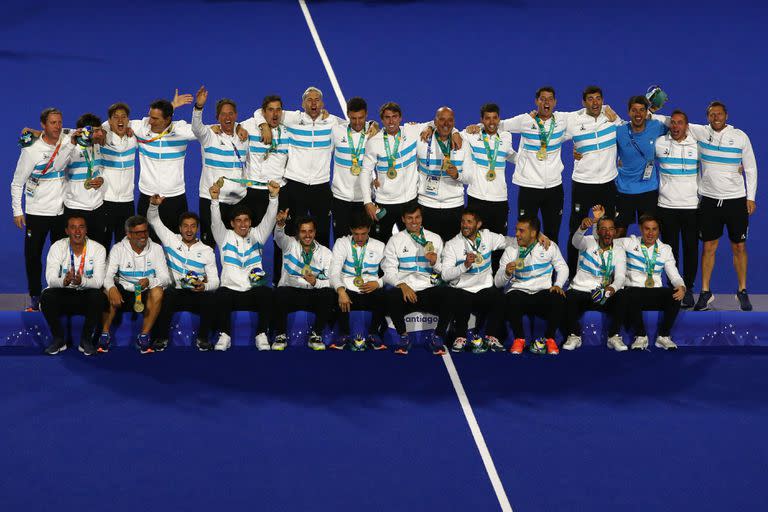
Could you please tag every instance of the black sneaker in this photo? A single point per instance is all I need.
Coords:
(87, 347)
(705, 299)
(159, 345)
(203, 345)
(55, 347)
(687, 302)
(34, 304)
(743, 299)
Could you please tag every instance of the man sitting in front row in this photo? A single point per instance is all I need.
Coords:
(304, 283)
(598, 281)
(355, 277)
(525, 274)
(135, 279)
(74, 271)
(412, 265)
(647, 257)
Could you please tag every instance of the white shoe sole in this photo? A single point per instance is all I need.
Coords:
(221, 348)
(709, 303)
(658, 345)
(62, 349)
(571, 347)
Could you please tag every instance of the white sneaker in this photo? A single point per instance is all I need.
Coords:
(280, 342)
(315, 342)
(640, 343)
(665, 342)
(617, 344)
(223, 343)
(262, 343)
(572, 343)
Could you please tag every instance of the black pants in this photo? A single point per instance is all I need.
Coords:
(583, 197)
(55, 302)
(38, 228)
(319, 301)
(650, 299)
(258, 201)
(548, 201)
(495, 214)
(170, 212)
(545, 304)
(446, 222)
(488, 307)
(678, 223)
(95, 220)
(630, 207)
(438, 300)
(343, 213)
(374, 302)
(206, 235)
(115, 215)
(578, 302)
(177, 299)
(313, 200)
(260, 299)
(382, 230)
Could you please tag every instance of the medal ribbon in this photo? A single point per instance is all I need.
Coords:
(650, 263)
(356, 151)
(306, 257)
(50, 162)
(523, 253)
(391, 155)
(475, 246)
(88, 162)
(82, 260)
(444, 147)
(492, 156)
(156, 137)
(358, 261)
(544, 136)
(245, 182)
(237, 154)
(606, 268)
(275, 141)
(419, 239)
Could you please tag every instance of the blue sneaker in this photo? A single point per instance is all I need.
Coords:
(340, 344)
(144, 344)
(437, 345)
(743, 299)
(404, 345)
(375, 342)
(34, 304)
(104, 343)
(476, 343)
(705, 299)
(358, 343)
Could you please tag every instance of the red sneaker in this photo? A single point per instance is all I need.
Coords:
(552, 347)
(517, 346)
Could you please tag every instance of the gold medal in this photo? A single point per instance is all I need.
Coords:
(478, 258)
(520, 264)
(355, 169)
(138, 306)
(307, 270)
(358, 281)
(446, 162)
(429, 247)
(490, 175)
(391, 172)
(541, 154)
(88, 185)
(649, 282)
(220, 182)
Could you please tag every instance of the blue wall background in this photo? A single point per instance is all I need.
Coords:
(422, 55)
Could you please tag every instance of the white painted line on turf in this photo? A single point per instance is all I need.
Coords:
(474, 427)
(477, 434)
(324, 56)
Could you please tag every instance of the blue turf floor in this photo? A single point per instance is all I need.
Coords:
(326, 431)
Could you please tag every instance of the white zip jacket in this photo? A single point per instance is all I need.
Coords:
(126, 267)
(536, 275)
(162, 160)
(678, 172)
(343, 263)
(310, 146)
(346, 186)
(118, 160)
(59, 261)
(595, 139)
(293, 262)
(259, 169)
(405, 186)
(76, 196)
(405, 261)
(589, 273)
(436, 188)
(241, 255)
(44, 193)
(181, 258)
(476, 164)
(636, 263)
(223, 155)
(480, 275)
(722, 154)
(529, 170)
